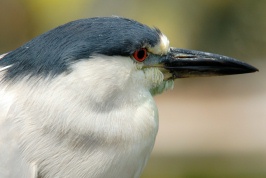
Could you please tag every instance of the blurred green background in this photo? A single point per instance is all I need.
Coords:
(209, 127)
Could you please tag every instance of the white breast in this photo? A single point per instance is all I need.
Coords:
(80, 126)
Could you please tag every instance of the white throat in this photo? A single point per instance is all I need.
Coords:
(114, 123)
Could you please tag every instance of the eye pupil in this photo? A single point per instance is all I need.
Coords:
(140, 55)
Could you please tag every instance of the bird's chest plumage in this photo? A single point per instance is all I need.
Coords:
(80, 126)
(127, 146)
(110, 140)
(124, 141)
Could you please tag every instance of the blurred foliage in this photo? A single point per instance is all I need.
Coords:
(206, 166)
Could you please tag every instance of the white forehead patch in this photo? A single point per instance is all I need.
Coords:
(162, 47)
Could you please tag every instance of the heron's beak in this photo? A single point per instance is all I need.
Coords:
(182, 63)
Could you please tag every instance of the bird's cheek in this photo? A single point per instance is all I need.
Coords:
(164, 86)
(153, 76)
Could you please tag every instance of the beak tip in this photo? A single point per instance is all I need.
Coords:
(255, 69)
(250, 69)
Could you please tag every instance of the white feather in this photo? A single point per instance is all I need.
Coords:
(99, 120)
(2, 55)
(162, 47)
(6, 67)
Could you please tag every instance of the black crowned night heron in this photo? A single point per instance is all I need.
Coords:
(77, 101)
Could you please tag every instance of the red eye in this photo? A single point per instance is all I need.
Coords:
(140, 55)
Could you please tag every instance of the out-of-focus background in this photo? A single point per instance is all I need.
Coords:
(209, 127)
